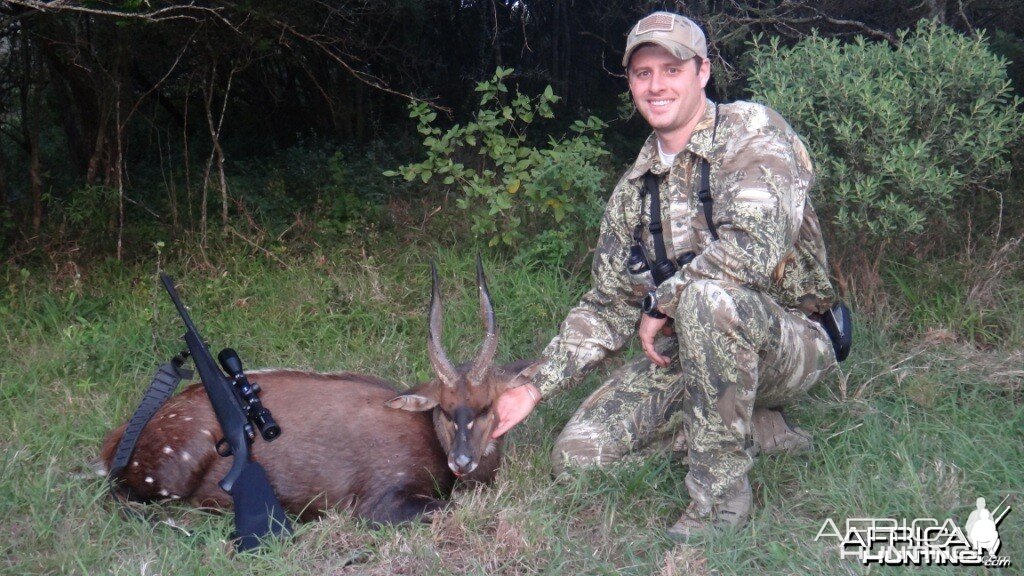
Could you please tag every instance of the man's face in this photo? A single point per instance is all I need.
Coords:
(669, 92)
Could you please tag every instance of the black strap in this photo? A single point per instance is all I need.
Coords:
(704, 192)
(651, 189)
(160, 389)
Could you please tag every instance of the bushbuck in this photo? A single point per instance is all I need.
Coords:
(348, 440)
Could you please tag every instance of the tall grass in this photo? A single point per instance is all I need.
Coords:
(914, 426)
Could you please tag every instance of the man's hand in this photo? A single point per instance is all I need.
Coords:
(513, 406)
(649, 328)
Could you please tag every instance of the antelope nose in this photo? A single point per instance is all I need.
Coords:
(462, 460)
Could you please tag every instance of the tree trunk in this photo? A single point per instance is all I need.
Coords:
(167, 172)
(936, 10)
(119, 175)
(80, 113)
(361, 113)
(30, 132)
(207, 97)
(496, 38)
(187, 157)
(4, 199)
(217, 153)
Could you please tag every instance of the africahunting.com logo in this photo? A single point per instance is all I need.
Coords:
(922, 541)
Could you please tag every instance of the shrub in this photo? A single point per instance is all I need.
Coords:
(509, 187)
(902, 137)
(339, 185)
(84, 213)
(355, 193)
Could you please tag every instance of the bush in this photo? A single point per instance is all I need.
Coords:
(339, 185)
(355, 194)
(509, 187)
(903, 138)
(84, 213)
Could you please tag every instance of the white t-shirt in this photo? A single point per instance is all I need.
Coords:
(666, 159)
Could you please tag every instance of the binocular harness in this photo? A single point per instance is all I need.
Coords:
(837, 321)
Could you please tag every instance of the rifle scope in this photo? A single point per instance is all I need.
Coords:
(254, 409)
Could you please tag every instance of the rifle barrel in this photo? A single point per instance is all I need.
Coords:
(169, 286)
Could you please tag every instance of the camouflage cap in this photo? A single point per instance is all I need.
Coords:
(677, 34)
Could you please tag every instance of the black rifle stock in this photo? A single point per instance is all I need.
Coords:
(257, 510)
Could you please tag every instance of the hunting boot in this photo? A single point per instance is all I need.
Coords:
(732, 511)
(772, 434)
(680, 447)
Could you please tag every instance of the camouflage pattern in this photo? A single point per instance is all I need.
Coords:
(740, 350)
(770, 239)
(740, 307)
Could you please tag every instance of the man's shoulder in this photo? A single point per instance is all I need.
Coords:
(627, 186)
(751, 116)
(756, 133)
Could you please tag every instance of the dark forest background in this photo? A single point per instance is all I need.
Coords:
(127, 123)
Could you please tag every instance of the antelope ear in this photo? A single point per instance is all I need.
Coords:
(412, 402)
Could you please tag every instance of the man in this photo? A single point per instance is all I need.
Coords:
(741, 308)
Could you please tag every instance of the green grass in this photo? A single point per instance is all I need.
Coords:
(915, 426)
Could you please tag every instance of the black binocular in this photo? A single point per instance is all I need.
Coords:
(661, 270)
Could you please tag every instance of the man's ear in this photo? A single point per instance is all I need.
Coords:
(412, 402)
(704, 72)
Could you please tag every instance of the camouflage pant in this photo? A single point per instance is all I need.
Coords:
(736, 348)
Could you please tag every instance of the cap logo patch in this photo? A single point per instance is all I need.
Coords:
(655, 23)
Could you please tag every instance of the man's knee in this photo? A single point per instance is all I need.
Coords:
(583, 445)
(698, 300)
(710, 310)
(713, 303)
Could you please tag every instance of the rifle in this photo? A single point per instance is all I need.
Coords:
(237, 406)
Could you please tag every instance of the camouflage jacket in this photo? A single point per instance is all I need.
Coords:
(769, 237)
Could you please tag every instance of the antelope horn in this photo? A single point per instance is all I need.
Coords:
(485, 358)
(438, 359)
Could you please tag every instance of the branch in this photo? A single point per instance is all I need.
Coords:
(16, 138)
(188, 11)
(787, 15)
(159, 82)
(963, 16)
(304, 66)
(887, 36)
(324, 45)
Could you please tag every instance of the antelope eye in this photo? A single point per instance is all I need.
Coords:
(446, 415)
